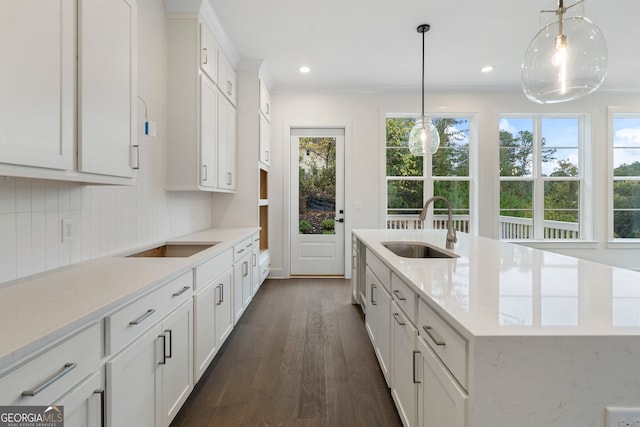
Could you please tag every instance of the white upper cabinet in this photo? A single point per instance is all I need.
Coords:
(37, 83)
(226, 145)
(62, 118)
(227, 79)
(208, 133)
(265, 101)
(265, 141)
(208, 54)
(107, 62)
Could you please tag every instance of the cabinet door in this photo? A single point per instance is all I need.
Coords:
(255, 267)
(107, 64)
(84, 405)
(176, 368)
(404, 383)
(227, 80)
(240, 276)
(226, 145)
(131, 382)
(383, 329)
(442, 402)
(208, 53)
(265, 141)
(371, 313)
(224, 309)
(265, 101)
(208, 133)
(37, 83)
(205, 345)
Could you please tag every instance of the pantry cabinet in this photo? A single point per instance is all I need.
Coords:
(226, 145)
(60, 118)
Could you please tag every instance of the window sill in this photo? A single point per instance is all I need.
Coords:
(624, 244)
(557, 244)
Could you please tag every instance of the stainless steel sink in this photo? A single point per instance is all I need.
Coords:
(171, 250)
(417, 250)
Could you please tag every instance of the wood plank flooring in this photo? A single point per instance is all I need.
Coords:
(300, 356)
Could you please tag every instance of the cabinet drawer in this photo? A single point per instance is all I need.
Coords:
(212, 268)
(405, 297)
(265, 266)
(54, 372)
(128, 323)
(449, 345)
(242, 248)
(379, 268)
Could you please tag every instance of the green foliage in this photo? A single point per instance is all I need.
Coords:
(328, 226)
(626, 203)
(304, 227)
(317, 170)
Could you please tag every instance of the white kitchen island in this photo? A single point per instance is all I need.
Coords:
(510, 335)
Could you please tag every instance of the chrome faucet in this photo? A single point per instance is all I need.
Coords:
(451, 232)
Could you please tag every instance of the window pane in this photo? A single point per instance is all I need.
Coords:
(516, 146)
(626, 205)
(317, 189)
(452, 158)
(400, 162)
(404, 197)
(626, 195)
(560, 133)
(457, 192)
(516, 195)
(516, 210)
(560, 162)
(626, 161)
(626, 224)
(626, 132)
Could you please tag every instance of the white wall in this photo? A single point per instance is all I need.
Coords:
(364, 113)
(108, 218)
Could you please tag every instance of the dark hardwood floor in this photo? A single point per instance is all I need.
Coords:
(300, 356)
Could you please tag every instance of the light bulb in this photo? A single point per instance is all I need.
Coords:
(559, 60)
(423, 138)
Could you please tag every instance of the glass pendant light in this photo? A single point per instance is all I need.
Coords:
(423, 137)
(566, 60)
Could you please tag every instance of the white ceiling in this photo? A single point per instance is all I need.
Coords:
(373, 44)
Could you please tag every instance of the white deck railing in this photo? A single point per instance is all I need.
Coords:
(511, 228)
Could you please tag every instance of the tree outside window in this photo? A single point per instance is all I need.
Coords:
(626, 176)
(412, 179)
(540, 177)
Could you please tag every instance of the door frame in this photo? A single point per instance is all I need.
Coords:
(348, 207)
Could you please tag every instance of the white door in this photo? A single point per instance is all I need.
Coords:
(317, 202)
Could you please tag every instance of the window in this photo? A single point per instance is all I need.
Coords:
(541, 177)
(411, 180)
(626, 176)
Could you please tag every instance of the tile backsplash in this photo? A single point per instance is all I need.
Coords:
(107, 219)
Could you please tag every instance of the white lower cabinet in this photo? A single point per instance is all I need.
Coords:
(378, 322)
(255, 265)
(404, 386)
(213, 320)
(148, 381)
(241, 278)
(441, 401)
(84, 404)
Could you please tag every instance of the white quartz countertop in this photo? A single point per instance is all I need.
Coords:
(41, 309)
(496, 288)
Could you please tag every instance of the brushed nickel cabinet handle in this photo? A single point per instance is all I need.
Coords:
(435, 337)
(415, 381)
(399, 295)
(168, 331)
(143, 317)
(181, 291)
(68, 367)
(102, 406)
(205, 57)
(164, 353)
(373, 302)
(397, 317)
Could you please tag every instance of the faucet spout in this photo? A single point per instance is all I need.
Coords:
(452, 238)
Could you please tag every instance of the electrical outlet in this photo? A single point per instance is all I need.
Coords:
(68, 230)
(622, 417)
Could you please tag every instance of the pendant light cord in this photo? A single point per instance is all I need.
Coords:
(423, 124)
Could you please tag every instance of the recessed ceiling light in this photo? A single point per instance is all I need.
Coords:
(487, 68)
(304, 69)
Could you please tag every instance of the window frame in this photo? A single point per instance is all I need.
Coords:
(612, 114)
(427, 178)
(584, 178)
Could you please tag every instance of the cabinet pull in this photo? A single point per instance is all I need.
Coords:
(255, 260)
(136, 157)
(415, 370)
(435, 337)
(181, 291)
(267, 155)
(245, 269)
(164, 346)
(143, 317)
(205, 175)
(205, 57)
(229, 178)
(102, 406)
(373, 302)
(220, 294)
(68, 367)
(399, 295)
(229, 88)
(268, 108)
(397, 317)
(168, 331)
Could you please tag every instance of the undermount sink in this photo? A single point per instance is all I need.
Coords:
(173, 250)
(417, 250)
